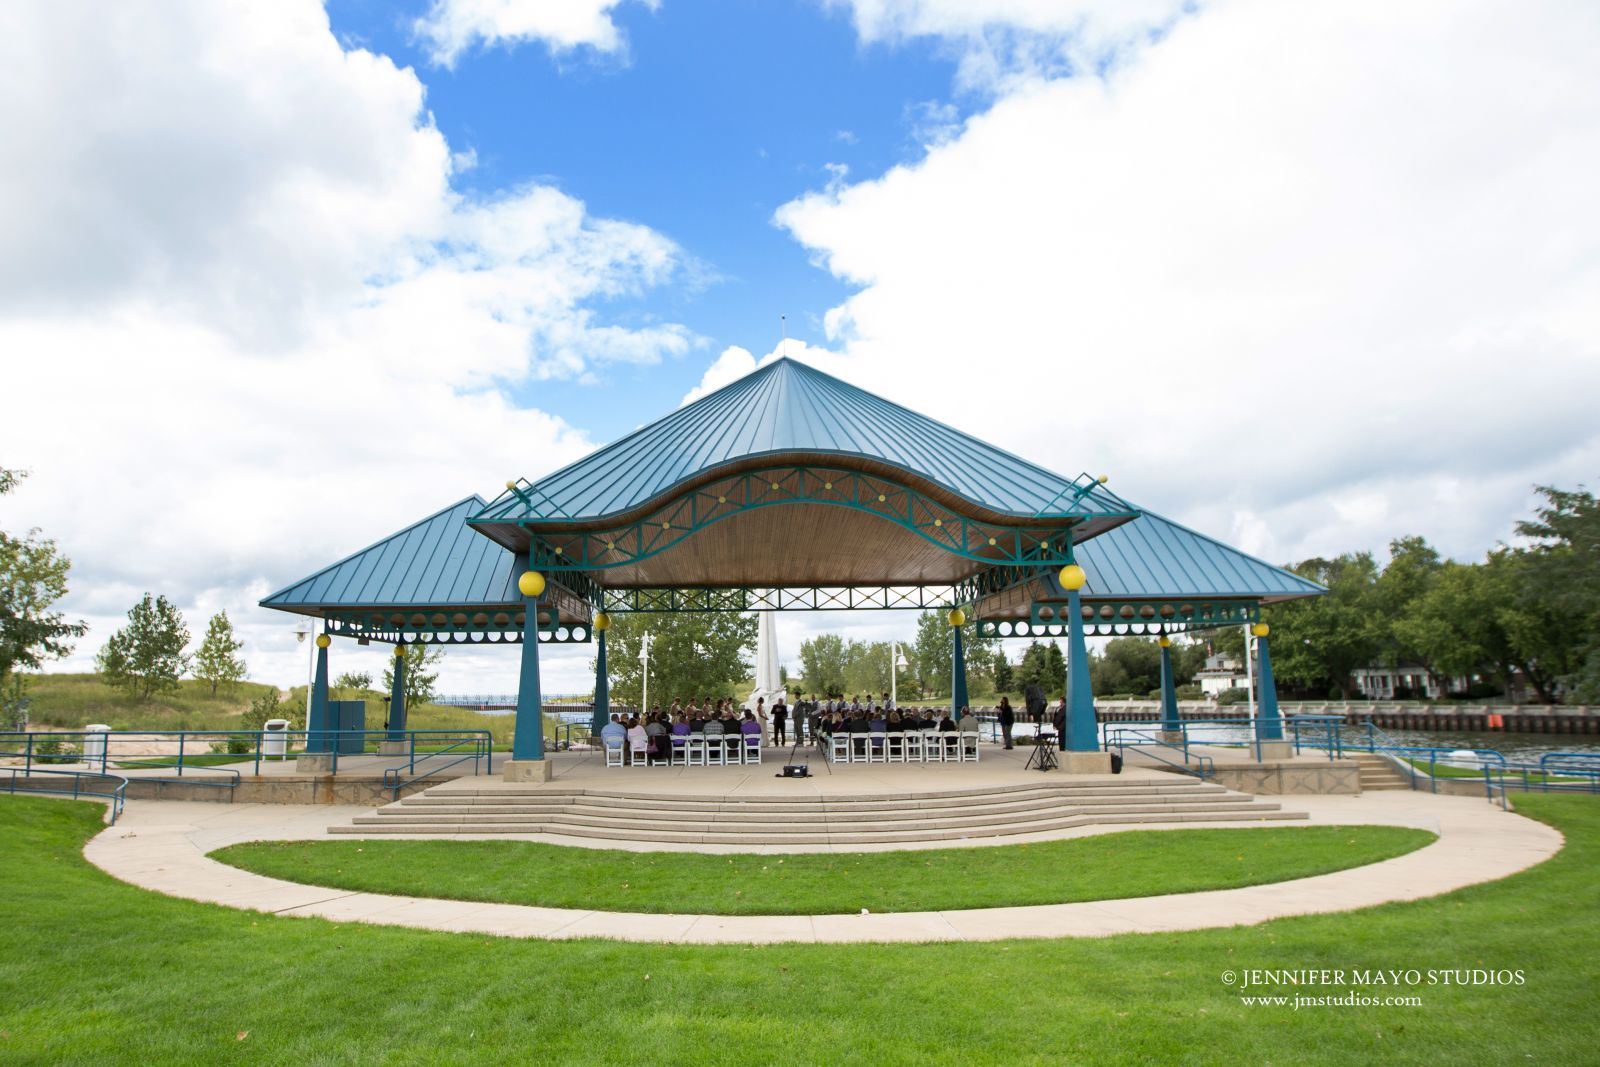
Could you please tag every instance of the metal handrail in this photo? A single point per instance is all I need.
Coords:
(1204, 767)
(117, 796)
(394, 778)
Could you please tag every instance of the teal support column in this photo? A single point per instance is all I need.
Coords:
(1269, 720)
(527, 740)
(397, 696)
(317, 737)
(1082, 733)
(1169, 690)
(602, 680)
(958, 666)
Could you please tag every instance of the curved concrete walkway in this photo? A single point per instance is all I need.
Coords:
(163, 846)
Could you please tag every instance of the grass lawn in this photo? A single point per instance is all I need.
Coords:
(73, 701)
(96, 971)
(1131, 864)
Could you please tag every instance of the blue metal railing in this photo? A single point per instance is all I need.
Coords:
(1149, 743)
(474, 745)
(202, 756)
(115, 795)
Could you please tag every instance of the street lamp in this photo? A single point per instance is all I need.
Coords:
(897, 660)
(644, 660)
(302, 633)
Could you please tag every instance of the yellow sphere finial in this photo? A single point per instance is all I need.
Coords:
(511, 484)
(1072, 577)
(602, 622)
(1164, 641)
(399, 651)
(957, 617)
(1261, 629)
(323, 640)
(1103, 479)
(531, 583)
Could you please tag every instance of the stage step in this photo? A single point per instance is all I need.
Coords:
(816, 819)
(1377, 772)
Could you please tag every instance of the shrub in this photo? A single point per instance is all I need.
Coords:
(55, 750)
(1232, 696)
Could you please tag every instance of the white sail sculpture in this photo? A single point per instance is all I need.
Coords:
(768, 686)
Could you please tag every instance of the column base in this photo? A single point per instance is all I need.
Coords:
(1276, 750)
(1085, 762)
(528, 770)
(394, 748)
(1171, 737)
(314, 763)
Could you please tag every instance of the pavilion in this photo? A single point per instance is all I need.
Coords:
(789, 490)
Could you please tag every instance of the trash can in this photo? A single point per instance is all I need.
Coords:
(275, 740)
(94, 742)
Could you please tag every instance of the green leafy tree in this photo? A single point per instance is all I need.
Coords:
(1127, 665)
(355, 681)
(692, 654)
(822, 658)
(1002, 673)
(33, 576)
(930, 653)
(1317, 642)
(422, 675)
(1043, 665)
(1561, 589)
(147, 656)
(218, 662)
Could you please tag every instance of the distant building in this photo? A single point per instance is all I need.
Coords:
(1219, 675)
(1408, 681)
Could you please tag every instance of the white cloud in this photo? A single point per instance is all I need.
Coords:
(1310, 276)
(248, 327)
(1001, 41)
(451, 27)
(735, 362)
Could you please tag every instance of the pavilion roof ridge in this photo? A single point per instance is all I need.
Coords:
(786, 406)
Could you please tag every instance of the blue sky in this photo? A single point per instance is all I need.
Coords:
(713, 117)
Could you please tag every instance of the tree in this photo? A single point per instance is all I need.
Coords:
(422, 675)
(692, 655)
(822, 659)
(356, 680)
(33, 576)
(1043, 665)
(1002, 673)
(1128, 665)
(146, 656)
(1561, 575)
(1317, 642)
(218, 660)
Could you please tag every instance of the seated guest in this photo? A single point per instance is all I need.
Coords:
(896, 724)
(751, 727)
(947, 731)
(969, 721)
(713, 727)
(697, 722)
(638, 741)
(656, 731)
(613, 733)
(857, 727)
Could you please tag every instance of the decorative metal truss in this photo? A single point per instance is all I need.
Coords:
(795, 598)
(562, 551)
(501, 626)
(1114, 617)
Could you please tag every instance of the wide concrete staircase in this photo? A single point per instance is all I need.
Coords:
(808, 819)
(1377, 772)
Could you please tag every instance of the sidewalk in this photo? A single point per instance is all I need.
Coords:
(162, 846)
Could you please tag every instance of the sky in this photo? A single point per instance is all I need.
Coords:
(283, 277)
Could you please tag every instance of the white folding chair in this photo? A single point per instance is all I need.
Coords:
(877, 747)
(894, 746)
(911, 742)
(932, 747)
(969, 746)
(716, 750)
(641, 754)
(839, 748)
(694, 751)
(679, 752)
(752, 748)
(613, 746)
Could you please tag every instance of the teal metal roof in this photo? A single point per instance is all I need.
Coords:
(787, 407)
(438, 561)
(1154, 557)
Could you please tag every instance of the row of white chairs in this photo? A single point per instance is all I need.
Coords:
(694, 750)
(907, 746)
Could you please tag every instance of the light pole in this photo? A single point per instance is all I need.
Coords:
(644, 659)
(896, 661)
(302, 636)
(1250, 675)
